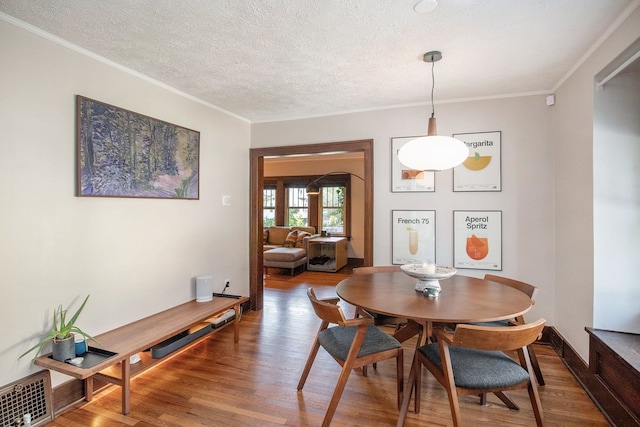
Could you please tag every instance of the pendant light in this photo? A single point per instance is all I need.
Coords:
(433, 152)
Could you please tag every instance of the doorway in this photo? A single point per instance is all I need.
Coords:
(257, 155)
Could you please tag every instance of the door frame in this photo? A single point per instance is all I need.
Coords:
(257, 155)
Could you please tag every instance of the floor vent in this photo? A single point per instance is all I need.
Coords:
(30, 395)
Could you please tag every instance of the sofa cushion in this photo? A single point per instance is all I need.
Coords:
(284, 254)
(278, 234)
(300, 239)
(310, 230)
(290, 240)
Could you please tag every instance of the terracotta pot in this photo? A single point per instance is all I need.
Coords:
(63, 350)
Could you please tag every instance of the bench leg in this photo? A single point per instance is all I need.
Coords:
(126, 386)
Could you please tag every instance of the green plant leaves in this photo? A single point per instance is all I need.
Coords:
(61, 328)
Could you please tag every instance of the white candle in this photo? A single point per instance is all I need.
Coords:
(428, 268)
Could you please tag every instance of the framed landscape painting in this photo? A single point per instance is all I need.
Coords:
(125, 154)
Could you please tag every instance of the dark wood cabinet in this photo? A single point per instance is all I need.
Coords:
(614, 363)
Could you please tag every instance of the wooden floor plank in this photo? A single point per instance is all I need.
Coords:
(253, 382)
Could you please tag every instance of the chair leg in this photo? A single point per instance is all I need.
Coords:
(525, 361)
(483, 399)
(400, 376)
(418, 385)
(535, 365)
(535, 403)
(407, 395)
(454, 405)
(337, 393)
(507, 400)
(307, 366)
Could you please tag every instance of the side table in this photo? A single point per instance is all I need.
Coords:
(327, 254)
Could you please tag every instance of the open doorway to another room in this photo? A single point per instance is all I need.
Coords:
(351, 157)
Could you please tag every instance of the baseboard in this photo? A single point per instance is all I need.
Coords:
(355, 262)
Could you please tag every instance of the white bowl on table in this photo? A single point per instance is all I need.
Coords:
(428, 276)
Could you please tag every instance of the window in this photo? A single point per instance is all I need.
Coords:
(285, 202)
(297, 207)
(333, 212)
(268, 207)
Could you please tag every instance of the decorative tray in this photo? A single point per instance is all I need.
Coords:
(93, 356)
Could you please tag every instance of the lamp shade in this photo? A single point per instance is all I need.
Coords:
(433, 153)
(313, 189)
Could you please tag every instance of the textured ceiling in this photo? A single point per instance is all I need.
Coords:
(267, 60)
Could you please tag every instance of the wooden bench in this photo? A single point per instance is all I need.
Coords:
(614, 363)
(138, 336)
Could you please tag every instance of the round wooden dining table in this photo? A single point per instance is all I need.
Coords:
(462, 300)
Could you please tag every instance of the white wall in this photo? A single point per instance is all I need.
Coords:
(526, 200)
(134, 256)
(574, 190)
(574, 215)
(616, 204)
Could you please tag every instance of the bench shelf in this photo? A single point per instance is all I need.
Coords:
(140, 335)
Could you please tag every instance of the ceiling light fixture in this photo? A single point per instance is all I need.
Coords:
(425, 6)
(433, 152)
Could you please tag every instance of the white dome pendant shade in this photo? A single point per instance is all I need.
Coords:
(433, 152)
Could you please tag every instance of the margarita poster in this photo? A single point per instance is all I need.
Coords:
(481, 170)
(414, 237)
(477, 240)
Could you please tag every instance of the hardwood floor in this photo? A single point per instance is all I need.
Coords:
(253, 382)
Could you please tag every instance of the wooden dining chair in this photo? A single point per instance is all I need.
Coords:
(531, 291)
(471, 360)
(352, 343)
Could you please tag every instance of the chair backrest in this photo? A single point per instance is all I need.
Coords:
(376, 269)
(526, 288)
(502, 338)
(327, 311)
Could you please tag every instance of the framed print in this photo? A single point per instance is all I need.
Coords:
(482, 169)
(404, 179)
(477, 239)
(413, 236)
(125, 154)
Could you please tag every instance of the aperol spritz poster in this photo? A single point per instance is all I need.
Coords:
(481, 171)
(414, 237)
(477, 240)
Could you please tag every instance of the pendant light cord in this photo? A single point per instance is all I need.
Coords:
(433, 84)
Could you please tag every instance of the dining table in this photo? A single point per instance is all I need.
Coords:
(462, 299)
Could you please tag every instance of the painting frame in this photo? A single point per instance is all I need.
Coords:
(121, 153)
(477, 239)
(407, 180)
(482, 170)
(413, 236)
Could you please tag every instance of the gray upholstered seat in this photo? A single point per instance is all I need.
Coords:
(477, 368)
(337, 341)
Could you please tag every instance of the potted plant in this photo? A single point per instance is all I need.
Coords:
(61, 335)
